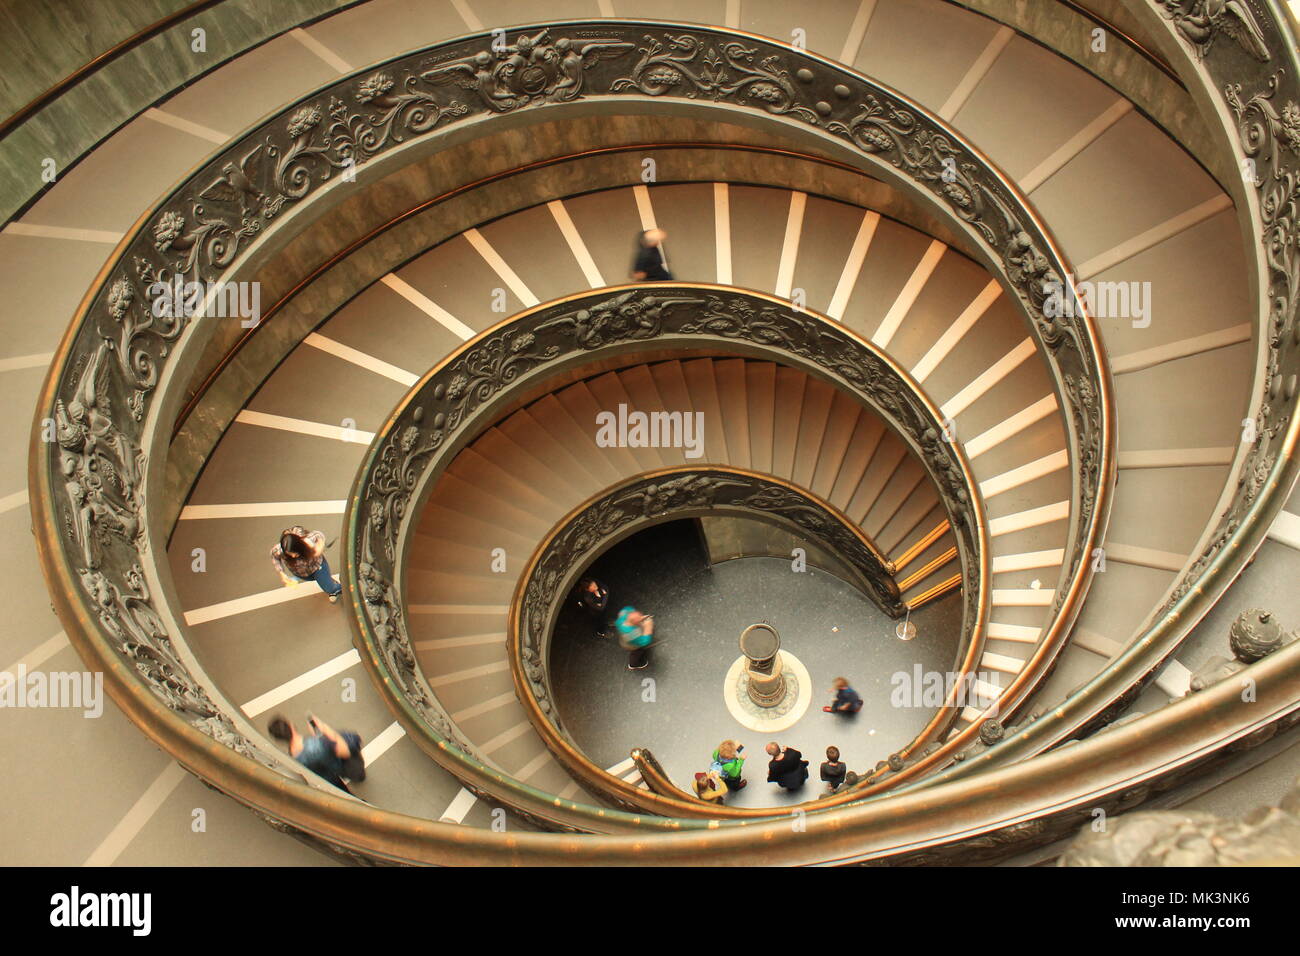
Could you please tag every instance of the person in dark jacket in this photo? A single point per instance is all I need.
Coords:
(650, 265)
(593, 597)
(787, 768)
(833, 770)
(846, 700)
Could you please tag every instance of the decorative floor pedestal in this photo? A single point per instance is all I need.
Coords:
(787, 713)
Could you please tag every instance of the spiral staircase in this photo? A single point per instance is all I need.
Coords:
(1099, 511)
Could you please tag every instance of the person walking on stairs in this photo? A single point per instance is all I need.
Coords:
(300, 556)
(326, 752)
(651, 265)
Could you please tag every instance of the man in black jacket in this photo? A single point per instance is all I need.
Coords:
(650, 265)
(787, 768)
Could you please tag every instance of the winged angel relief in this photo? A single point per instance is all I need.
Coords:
(1201, 22)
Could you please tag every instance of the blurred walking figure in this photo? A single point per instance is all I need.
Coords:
(636, 632)
(300, 556)
(729, 764)
(651, 265)
(709, 787)
(833, 770)
(593, 597)
(329, 754)
(846, 700)
(787, 768)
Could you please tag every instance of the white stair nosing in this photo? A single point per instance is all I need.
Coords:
(1019, 633)
(1002, 663)
(303, 682)
(1010, 427)
(1030, 518)
(1183, 348)
(1154, 236)
(1039, 468)
(426, 305)
(988, 378)
(353, 436)
(1028, 560)
(361, 359)
(1144, 557)
(1075, 145)
(382, 743)
(459, 807)
(978, 70)
(955, 332)
(722, 231)
(1176, 457)
(455, 677)
(857, 32)
(908, 295)
(853, 265)
(1174, 679)
(576, 244)
(790, 244)
(500, 267)
(1286, 529)
(644, 207)
(1021, 597)
(1098, 644)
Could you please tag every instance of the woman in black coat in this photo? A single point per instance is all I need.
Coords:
(787, 768)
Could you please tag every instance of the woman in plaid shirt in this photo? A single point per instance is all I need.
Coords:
(300, 556)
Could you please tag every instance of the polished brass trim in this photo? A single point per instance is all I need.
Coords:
(926, 569)
(934, 593)
(916, 550)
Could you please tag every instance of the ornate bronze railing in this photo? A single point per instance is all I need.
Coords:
(113, 386)
(463, 395)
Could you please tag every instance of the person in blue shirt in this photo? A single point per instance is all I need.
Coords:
(326, 752)
(846, 700)
(636, 632)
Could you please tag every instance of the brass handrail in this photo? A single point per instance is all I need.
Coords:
(93, 66)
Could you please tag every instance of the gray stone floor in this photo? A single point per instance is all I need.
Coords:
(699, 613)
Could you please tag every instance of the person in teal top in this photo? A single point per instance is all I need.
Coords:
(636, 629)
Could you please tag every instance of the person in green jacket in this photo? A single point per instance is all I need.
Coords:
(728, 762)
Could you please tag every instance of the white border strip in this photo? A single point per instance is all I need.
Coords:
(426, 305)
